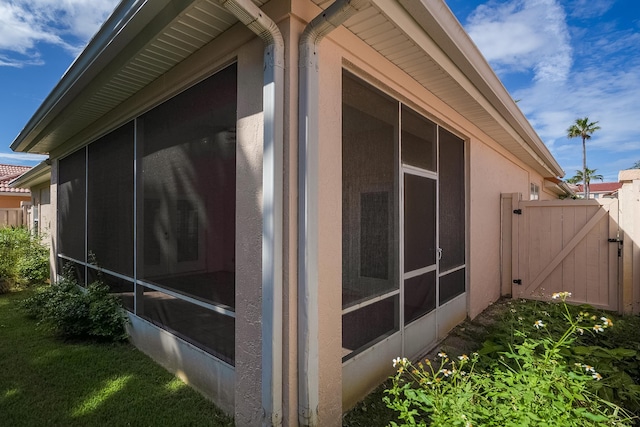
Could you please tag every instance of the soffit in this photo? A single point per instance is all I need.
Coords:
(416, 42)
(119, 62)
(143, 40)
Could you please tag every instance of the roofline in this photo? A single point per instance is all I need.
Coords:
(447, 31)
(12, 194)
(36, 175)
(129, 16)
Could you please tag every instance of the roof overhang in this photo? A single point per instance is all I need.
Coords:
(142, 40)
(39, 174)
(558, 187)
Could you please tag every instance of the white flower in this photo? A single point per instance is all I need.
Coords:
(446, 372)
(598, 328)
(589, 368)
(398, 361)
(580, 331)
(596, 376)
(538, 324)
(442, 355)
(561, 295)
(463, 358)
(607, 322)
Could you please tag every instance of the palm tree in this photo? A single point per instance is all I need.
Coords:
(579, 177)
(636, 165)
(583, 128)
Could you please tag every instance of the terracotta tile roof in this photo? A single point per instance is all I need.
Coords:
(7, 174)
(602, 187)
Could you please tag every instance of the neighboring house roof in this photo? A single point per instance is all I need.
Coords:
(7, 174)
(143, 40)
(601, 187)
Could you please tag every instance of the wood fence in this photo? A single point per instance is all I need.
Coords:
(590, 248)
(15, 217)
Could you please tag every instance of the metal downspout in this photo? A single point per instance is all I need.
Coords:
(272, 183)
(308, 367)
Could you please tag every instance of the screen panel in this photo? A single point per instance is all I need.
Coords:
(418, 140)
(71, 205)
(110, 201)
(187, 188)
(419, 222)
(452, 200)
(419, 296)
(452, 285)
(369, 218)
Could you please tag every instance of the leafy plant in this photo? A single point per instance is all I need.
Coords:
(24, 260)
(77, 313)
(526, 380)
(615, 355)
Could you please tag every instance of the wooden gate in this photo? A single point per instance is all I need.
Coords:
(566, 245)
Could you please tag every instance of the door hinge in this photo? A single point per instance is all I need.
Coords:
(517, 281)
(517, 211)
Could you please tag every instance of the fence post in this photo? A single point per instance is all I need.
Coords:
(629, 198)
(507, 203)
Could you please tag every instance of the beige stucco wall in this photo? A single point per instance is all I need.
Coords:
(53, 222)
(248, 346)
(291, 29)
(330, 236)
(491, 173)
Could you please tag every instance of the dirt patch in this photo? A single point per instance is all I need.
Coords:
(468, 336)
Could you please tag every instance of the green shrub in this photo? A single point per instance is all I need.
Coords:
(615, 355)
(77, 313)
(24, 260)
(528, 382)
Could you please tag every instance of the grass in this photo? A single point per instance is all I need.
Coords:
(44, 381)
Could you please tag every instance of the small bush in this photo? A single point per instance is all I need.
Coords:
(529, 381)
(24, 260)
(77, 313)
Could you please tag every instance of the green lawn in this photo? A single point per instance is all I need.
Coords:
(44, 381)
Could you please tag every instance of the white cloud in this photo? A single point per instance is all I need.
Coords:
(13, 158)
(593, 73)
(585, 9)
(68, 24)
(520, 35)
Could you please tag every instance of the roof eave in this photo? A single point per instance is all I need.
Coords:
(438, 21)
(38, 174)
(129, 17)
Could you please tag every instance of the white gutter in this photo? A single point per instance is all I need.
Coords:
(273, 109)
(308, 369)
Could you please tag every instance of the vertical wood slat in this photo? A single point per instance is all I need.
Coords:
(11, 217)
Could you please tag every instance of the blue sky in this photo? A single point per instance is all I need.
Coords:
(562, 59)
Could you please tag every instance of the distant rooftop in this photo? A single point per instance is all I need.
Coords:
(601, 187)
(7, 174)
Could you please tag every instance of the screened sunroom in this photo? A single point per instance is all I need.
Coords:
(285, 195)
(149, 208)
